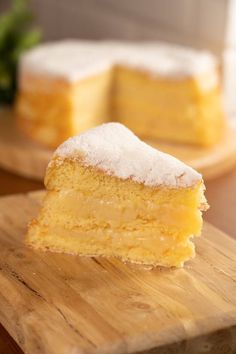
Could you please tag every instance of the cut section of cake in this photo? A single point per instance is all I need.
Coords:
(158, 90)
(110, 194)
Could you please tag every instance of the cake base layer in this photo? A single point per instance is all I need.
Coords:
(147, 247)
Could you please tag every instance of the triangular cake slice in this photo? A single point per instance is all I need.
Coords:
(110, 194)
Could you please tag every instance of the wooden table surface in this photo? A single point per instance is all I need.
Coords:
(221, 195)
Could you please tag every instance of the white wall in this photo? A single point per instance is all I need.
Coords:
(199, 23)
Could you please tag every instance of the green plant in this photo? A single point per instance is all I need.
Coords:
(15, 38)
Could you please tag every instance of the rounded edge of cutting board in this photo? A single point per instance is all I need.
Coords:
(22, 156)
(18, 154)
(211, 162)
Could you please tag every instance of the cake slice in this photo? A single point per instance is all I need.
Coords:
(110, 194)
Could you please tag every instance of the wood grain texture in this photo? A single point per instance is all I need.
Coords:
(60, 304)
(26, 158)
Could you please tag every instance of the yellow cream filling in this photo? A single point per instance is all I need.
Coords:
(88, 212)
(73, 208)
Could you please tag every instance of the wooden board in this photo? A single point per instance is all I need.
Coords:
(61, 304)
(24, 157)
(210, 162)
(18, 154)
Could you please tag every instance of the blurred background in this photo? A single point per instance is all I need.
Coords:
(203, 24)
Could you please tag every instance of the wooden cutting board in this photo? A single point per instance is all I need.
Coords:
(24, 157)
(61, 304)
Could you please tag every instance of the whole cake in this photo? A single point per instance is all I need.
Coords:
(110, 194)
(157, 90)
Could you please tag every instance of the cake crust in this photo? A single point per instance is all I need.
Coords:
(114, 149)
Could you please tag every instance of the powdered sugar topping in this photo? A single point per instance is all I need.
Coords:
(74, 59)
(113, 148)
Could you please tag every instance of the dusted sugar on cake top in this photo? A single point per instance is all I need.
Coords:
(115, 150)
(74, 60)
(111, 195)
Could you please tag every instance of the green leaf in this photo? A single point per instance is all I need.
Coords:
(28, 40)
(15, 38)
(5, 80)
(6, 23)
